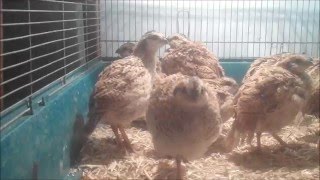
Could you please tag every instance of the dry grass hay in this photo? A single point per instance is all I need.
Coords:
(102, 160)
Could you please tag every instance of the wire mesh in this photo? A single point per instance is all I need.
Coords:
(232, 29)
(42, 43)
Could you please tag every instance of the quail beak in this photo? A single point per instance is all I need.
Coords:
(165, 41)
(308, 64)
(194, 94)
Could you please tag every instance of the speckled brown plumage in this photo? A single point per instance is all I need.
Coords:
(183, 117)
(224, 88)
(123, 88)
(270, 99)
(265, 61)
(125, 49)
(193, 59)
(313, 104)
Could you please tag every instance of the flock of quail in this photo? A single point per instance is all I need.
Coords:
(185, 98)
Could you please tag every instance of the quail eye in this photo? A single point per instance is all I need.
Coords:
(203, 91)
(179, 89)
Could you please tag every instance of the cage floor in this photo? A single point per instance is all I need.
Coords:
(100, 158)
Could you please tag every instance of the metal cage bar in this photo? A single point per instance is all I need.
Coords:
(57, 47)
(257, 28)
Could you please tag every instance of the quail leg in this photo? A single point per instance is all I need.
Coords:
(258, 141)
(126, 140)
(250, 138)
(118, 138)
(243, 138)
(179, 168)
(274, 135)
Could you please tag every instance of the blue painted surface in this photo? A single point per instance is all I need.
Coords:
(235, 70)
(44, 137)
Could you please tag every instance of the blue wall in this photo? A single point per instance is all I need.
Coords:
(45, 137)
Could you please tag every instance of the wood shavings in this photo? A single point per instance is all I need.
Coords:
(102, 160)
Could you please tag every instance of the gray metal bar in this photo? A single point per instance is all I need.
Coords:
(135, 19)
(43, 11)
(124, 32)
(111, 5)
(278, 28)
(41, 67)
(64, 46)
(213, 24)
(153, 14)
(105, 26)
(43, 33)
(265, 45)
(13, 120)
(189, 22)
(44, 55)
(225, 28)
(30, 50)
(44, 22)
(260, 36)
(254, 25)
(66, 2)
(141, 19)
(159, 16)
(284, 26)
(295, 29)
(99, 30)
(313, 25)
(272, 26)
(248, 29)
(218, 53)
(129, 18)
(26, 85)
(195, 20)
(118, 29)
(237, 27)
(178, 13)
(290, 24)
(302, 21)
(147, 15)
(230, 30)
(183, 16)
(242, 29)
(36, 92)
(42, 44)
(216, 42)
(201, 23)
(307, 30)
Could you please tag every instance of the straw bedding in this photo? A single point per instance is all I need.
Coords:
(100, 158)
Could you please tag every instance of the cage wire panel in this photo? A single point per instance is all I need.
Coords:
(232, 29)
(44, 42)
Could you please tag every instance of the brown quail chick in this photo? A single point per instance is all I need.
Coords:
(226, 84)
(265, 62)
(183, 118)
(313, 104)
(190, 58)
(125, 49)
(270, 99)
(177, 40)
(225, 88)
(123, 88)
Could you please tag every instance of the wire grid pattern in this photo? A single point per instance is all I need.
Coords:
(42, 43)
(232, 29)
